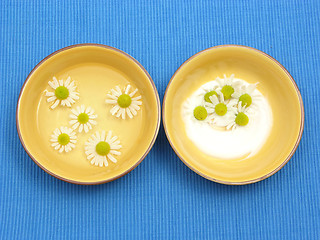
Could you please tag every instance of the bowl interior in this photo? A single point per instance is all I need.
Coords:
(274, 83)
(96, 70)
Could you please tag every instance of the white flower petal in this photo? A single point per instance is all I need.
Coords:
(112, 97)
(103, 136)
(85, 127)
(61, 149)
(111, 101)
(105, 162)
(137, 102)
(50, 94)
(119, 112)
(136, 98)
(129, 113)
(115, 93)
(55, 104)
(114, 152)
(112, 158)
(251, 88)
(133, 111)
(76, 125)
(123, 114)
(50, 99)
(92, 122)
(67, 82)
(80, 128)
(109, 135)
(127, 89)
(136, 107)
(74, 121)
(114, 110)
(73, 116)
(93, 116)
(87, 111)
(133, 93)
(118, 90)
(71, 85)
(214, 99)
(68, 103)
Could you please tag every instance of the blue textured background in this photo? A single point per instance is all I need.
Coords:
(161, 198)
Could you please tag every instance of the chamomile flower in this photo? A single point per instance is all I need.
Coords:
(240, 118)
(101, 147)
(197, 112)
(124, 102)
(246, 95)
(83, 118)
(64, 93)
(219, 109)
(63, 139)
(228, 86)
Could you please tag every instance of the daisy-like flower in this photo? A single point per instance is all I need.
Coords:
(64, 93)
(63, 139)
(101, 147)
(240, 118)
(246, 95)
(219, 109)
(196, 111)
(228, 86)
(124, 102)
(83, 118)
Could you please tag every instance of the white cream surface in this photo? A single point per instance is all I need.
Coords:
(218, 142)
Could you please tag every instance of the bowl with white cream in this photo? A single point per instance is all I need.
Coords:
(233, 114)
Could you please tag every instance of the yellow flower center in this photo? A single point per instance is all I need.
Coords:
(221, 109)
(83, 118)
(63, 139)
(209, 94)
(124, 100)
(103, 148)
(200, 113)
(227, 91)
(61, 92)
(245, 99)
(242, 119)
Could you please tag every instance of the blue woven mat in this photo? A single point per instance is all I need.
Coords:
(161, 198)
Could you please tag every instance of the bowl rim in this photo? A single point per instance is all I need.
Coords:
(126, 55)
(301, 120)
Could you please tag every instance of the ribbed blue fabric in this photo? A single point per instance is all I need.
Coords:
(161, 198)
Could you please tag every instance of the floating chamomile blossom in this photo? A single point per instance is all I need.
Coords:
(240, 118)
(246, 95)
(63, 139)
(83, 118)
(101, 147)
(64, 93)
(219, 109)
(124, 102)
(228, 86)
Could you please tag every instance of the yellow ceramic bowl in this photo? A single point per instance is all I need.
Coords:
(275, 83)
(96, 69)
